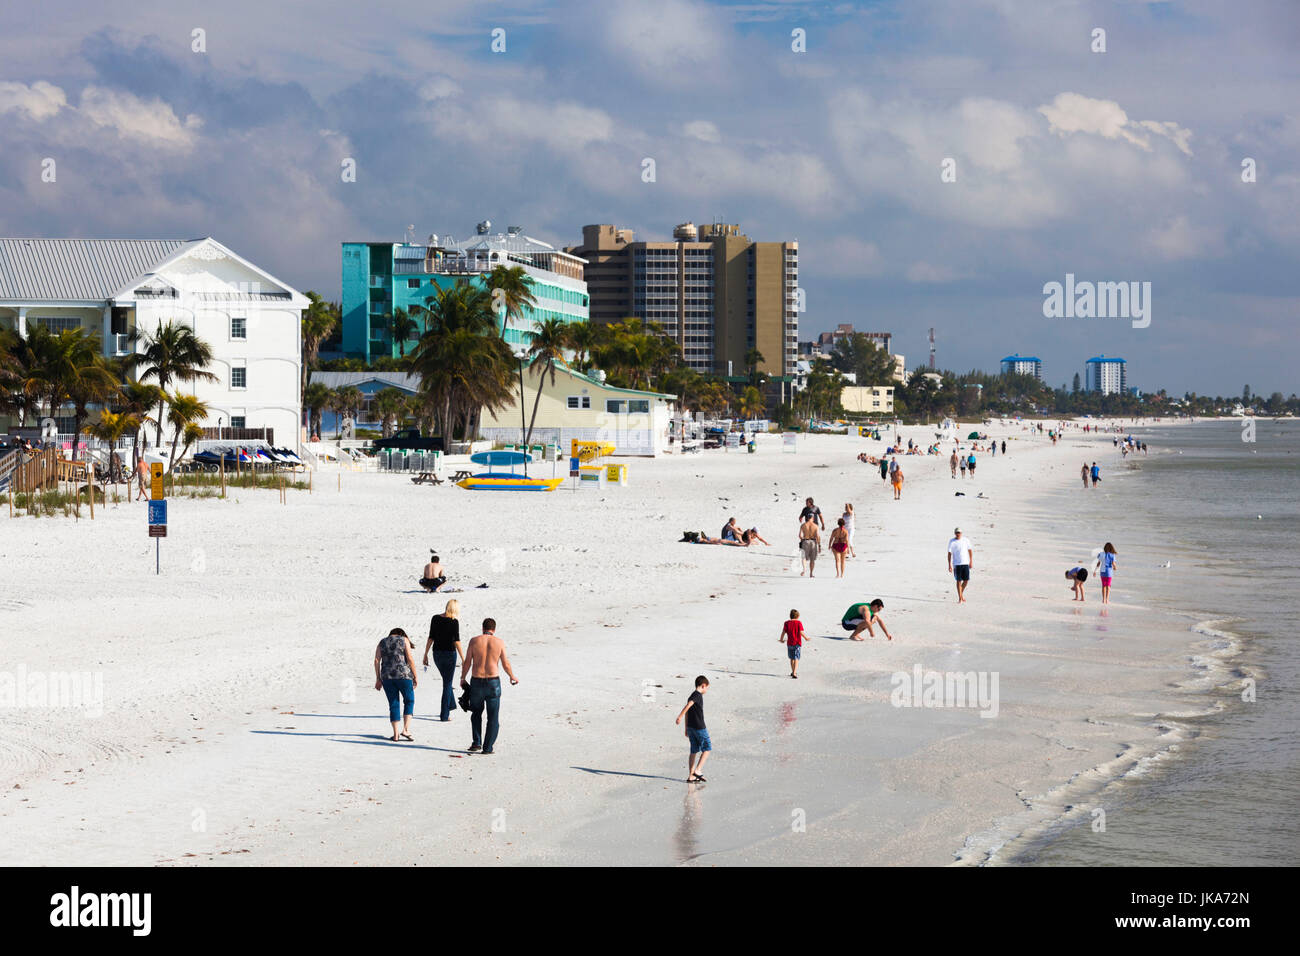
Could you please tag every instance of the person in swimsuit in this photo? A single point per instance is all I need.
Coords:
(142, 472)
(839, 545)
(1106, 564)
(810, 545)
(433, 576)
(752, 535)
(898, 483)
(952, 463)
(849, 527)
(1083, 473)
(395, 675)
(1076, 576)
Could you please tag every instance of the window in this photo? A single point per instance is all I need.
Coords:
(238, 421)
(57, 324)
(638, 406)
(573, 401)
(239, 328)
(579, 401)
(614, 406)
(239, 377)
(413, 283)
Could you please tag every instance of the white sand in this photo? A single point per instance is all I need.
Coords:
(227, 735)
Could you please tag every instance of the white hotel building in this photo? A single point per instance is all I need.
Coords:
(124, 289)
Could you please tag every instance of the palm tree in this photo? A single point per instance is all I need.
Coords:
(550, 337)
(315, 398)
(514, 288)
(109, 428)
(172, 352)
(401, 327)
(390, 405)
(752, 405)
(193, 433)
(753, 358)
(319, 320)
(138, 399)
(344, 402)
(583, 339)
(183, 411)
(91, 382)
(66, 367)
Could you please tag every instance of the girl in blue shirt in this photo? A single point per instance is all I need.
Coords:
(1106, 565)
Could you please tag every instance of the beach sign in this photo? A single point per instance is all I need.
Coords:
(790, 441)
(158, 518)
(156, 482)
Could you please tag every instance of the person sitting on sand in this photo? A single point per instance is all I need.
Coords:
(858, 618)
(434, 576)
(730, 532)
(1077, 576)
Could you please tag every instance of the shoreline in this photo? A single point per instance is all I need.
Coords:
(579, 750)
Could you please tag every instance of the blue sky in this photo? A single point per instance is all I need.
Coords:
(1115, 166)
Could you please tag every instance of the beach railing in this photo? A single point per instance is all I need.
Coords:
(36, 472)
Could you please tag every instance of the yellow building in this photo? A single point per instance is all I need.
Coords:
(583, 407)
(868, 399)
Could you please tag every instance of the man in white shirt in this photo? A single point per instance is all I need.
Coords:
(960, 557)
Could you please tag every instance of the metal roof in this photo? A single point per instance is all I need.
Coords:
(1102, 358)
(1022, 358)
(78, 269)
(402, 380)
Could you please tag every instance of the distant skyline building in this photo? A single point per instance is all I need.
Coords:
(1109, 376)
(1023, 365)
(716, 292)
(380, 277)
(828, 340)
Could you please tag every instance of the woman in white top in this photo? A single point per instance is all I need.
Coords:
(848, 526)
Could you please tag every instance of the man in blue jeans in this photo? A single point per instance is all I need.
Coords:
(483, 655)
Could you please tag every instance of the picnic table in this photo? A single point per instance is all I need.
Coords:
(461, 476)
(426, 478)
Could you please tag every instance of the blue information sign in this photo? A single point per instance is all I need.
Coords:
(158, 511)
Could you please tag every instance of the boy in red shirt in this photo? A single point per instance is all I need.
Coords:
(792, 638)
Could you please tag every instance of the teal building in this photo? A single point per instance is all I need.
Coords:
(381, 277)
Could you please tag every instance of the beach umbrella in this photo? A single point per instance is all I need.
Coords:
(972, 436)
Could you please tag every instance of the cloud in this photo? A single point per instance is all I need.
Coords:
(134, 118)
(1075, 113)
(702, 130)
(40, 101)
(1180, 239)
(929, 272)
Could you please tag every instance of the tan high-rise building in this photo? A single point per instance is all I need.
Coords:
(716, 292)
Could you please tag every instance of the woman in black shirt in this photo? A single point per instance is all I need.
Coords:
(444, 642)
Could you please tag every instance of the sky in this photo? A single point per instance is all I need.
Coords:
(938, 161)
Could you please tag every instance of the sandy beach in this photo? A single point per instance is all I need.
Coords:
(240, 724)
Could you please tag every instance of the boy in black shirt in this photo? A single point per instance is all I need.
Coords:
(696, 732)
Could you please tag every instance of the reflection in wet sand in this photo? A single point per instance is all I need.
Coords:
(687, 836)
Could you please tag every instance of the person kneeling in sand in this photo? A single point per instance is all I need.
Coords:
(433, 577)
(858, 618)
(1077, 576)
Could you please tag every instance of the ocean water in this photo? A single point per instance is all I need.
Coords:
(1231, 795)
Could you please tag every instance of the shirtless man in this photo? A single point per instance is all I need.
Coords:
(141, 472)
(810, 545)
(483, 654)
(433, 576)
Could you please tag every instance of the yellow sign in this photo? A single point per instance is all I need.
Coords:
(156, 481)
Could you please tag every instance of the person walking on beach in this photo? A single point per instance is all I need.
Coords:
(142, 472)
(849, 519)
(960, 559)
(811, 511)
(1096, 474)
(482, 657)
(898, 483)
(1076, 576)
(1084, 474)
(444, 642)
(884, 468)
(810, 545)
(993, 449)
(839, 545)
(1004, 446)
(859, 618)
(952, 463)
(395, 676)
(696, 732)
(1106, 564)
(792, 638)
(970, 465)
(433, 576)
(961, 461)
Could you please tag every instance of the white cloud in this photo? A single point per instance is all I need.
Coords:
(40, 101)
(135, 118)
(671, 42)
(1075, 113)
(439, 87)
(702, 130)
(1180, 239)
(930, 272)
